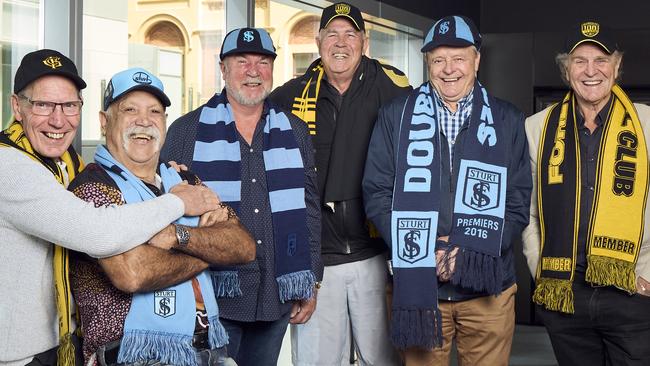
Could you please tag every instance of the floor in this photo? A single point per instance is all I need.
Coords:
(530, 347)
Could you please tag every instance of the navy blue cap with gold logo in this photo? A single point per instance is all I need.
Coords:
(45, 62)
(344, 10)
(247, 40)
(591, 32)
(134, 79)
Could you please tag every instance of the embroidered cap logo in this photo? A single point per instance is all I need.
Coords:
(53, 62)
(343, 9)
(248, 36)
(444, 28)
(141, 78)
(590, 29)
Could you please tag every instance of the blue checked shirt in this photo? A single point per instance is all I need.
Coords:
(450, 122)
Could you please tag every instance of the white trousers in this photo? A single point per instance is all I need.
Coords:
(353, 294)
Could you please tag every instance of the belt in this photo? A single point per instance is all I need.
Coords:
(107, 354)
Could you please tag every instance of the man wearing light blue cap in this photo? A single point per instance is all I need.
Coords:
(447, 184)
(154, 304)
(258, 159)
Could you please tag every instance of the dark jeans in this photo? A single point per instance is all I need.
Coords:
(609, 327)
(255, 343)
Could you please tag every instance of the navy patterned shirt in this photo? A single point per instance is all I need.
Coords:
(260, 300)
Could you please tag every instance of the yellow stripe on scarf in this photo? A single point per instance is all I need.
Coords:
(304, 107)
(66, 351)
(620, 198)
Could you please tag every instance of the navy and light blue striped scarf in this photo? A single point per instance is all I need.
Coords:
(217, 161)
(160, 324)
(477, 221)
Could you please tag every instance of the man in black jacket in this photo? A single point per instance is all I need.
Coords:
(447, 184)
(338, 97)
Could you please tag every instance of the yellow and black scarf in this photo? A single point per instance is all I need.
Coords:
(616, 224)
(15, 137)
(304, 106)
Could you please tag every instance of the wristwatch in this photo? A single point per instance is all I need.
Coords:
(182, 235)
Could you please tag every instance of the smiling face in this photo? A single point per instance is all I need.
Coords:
(248, 77)
(135, 130)
(341, 46)
(452, 71)
(592, 73)
(50, 135)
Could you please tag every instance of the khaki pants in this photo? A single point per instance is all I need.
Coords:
(483, 329)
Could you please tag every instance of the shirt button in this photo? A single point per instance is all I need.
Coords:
(259, 242)
(253, 180)
(591, 188)
(256, 210)
(251, 150)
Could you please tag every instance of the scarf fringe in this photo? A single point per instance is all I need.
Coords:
(611, 272)
(66, 351)
(478, 271)
(170, 349)
(226, 284)
(416, 328)
(296, 285)
(555, 294)
(217, 335)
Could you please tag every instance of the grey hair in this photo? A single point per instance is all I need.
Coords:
(562, 61)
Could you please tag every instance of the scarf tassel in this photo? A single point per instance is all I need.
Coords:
(555, 294)
(478, 271)
(217, 335)
(416, 328)
(226, 284)
(66, 351)
(296, 285)
(611, 272)
(170, 349)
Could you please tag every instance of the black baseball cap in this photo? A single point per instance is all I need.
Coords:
(45, 62)
(247, 40)
(350, 12)
(453, 31)
(594, 32)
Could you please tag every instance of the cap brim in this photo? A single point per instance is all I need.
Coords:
(605, 48)
(456, 42)
(342, 16)
(162, 97)
(256, 52)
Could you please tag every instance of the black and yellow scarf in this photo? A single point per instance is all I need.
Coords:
(15, 137)
(304, 106)
(616, 224)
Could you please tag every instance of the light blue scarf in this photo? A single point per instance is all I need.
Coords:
(160, 324)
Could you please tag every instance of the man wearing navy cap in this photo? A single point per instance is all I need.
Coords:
(259, 160)
(338, 97)
(154, 302)
(447, 183)
(591, 263)
(40, 220)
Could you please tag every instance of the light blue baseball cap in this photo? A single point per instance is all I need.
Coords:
(247, 40)
(132, 79)
(453, 31)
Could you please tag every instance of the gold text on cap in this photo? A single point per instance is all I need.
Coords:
(53, 62)
(590, 29)
(342, 9)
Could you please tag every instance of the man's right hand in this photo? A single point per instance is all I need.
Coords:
(197, 199)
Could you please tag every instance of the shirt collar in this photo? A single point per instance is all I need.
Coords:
(462, 103)
(601, 117)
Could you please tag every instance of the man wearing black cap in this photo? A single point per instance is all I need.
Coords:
(587, 245)
(259, 160)
(447, 183)
(37, 163)
(338, 97)
(115, 294)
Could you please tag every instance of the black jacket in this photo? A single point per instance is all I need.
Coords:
(379, 178)
(343, 127)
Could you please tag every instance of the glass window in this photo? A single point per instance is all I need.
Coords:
(20, 27)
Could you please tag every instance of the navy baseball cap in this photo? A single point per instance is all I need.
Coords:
(592, 32)
(247, 40)
(132, 79)
(45, 62)
(344, 10)
(453, 31)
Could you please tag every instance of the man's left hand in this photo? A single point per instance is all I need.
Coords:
(301, 310)
(642, 286)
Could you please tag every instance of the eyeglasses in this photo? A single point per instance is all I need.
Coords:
(43, 108)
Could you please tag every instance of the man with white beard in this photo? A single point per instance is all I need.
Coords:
(116, 295)
(259, 160)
